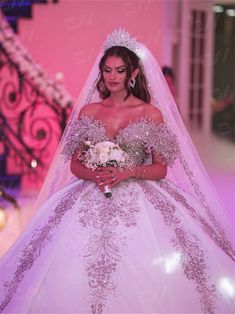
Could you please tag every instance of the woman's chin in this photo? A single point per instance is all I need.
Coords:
(115, 89)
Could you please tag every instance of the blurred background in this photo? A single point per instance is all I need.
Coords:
(47, 49)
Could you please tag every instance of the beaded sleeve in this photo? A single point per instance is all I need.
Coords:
(84, 129)
(156, 137)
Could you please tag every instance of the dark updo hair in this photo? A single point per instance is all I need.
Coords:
(131, 61)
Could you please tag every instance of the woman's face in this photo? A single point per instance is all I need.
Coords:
(114, 74)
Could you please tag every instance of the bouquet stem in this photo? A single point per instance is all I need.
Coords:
(107, 191)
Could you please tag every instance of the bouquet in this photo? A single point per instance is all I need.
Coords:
(104, 154)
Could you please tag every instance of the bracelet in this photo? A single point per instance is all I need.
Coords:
(140, 172)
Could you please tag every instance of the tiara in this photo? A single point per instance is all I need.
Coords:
(121, 37)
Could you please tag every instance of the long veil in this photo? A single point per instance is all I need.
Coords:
(187, 173)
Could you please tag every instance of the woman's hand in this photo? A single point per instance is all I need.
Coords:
(82, 172)
(111, 176)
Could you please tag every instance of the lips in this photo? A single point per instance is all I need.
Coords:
(113, 83)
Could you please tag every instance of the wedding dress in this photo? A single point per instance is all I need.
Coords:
(153, 247)
(145, 250)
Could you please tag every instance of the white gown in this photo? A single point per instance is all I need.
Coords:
(145, 250)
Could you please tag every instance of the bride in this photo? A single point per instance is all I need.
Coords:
(149, 236)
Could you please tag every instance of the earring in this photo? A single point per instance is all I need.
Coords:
(132, 82)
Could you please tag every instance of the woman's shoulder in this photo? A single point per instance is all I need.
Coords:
(153, 113)
(89, 109)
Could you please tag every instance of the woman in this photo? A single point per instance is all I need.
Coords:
(118, 108)
(155, 245)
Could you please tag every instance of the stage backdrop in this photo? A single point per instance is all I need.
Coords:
(66, 37)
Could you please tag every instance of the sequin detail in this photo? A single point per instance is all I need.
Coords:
(105, 218)
(202, 199)
(38, 241)
(193, 264)
(218, 237)
(84, 129)
(138, 138)
(153, 136)
(187, 244)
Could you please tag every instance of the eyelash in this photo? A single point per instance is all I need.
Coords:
(119, 71)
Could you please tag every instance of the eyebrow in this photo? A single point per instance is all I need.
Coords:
(120, 66)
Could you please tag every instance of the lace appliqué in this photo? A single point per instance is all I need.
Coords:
(218, 237)
(153, 136)
(84, 129)
(39, 240)
(192, 256)
(107, 221)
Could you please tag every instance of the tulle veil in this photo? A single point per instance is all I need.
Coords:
(188, 172)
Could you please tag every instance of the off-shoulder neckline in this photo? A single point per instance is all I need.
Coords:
(121, 130)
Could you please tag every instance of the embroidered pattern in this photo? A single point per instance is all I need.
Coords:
(218, 237)
(192, 257)
(193, 263)
(153, 136)
(202, 198)
(39, 240)
(107, 221)
(84, 129)
(138, 138)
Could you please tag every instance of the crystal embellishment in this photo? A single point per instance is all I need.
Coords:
(120, 37)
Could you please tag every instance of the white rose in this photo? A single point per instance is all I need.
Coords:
(103, 157)
(117, 155)
(105, 146)
(93, 152)
(88, 143)
(102, 148)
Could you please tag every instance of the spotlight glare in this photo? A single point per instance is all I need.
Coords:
(218, 9)
(172, 262)
(227, 287)
(59, 76)
(2, 218)
(230, 12)
(34, 163)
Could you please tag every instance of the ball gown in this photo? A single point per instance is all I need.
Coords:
(150, 248)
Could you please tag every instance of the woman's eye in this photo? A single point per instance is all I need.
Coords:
(121, 70)
(106, 70)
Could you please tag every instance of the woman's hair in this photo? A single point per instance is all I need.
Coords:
(131, 61)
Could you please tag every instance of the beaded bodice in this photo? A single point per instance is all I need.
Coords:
(138, 139)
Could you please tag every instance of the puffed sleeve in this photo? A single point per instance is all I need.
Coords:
(79, 131)
(164, 142)
(155, 137)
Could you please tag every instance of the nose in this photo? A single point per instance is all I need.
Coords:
(112, 75)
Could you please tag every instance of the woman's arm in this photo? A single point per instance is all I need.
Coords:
(112, 176)
(156, 171)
